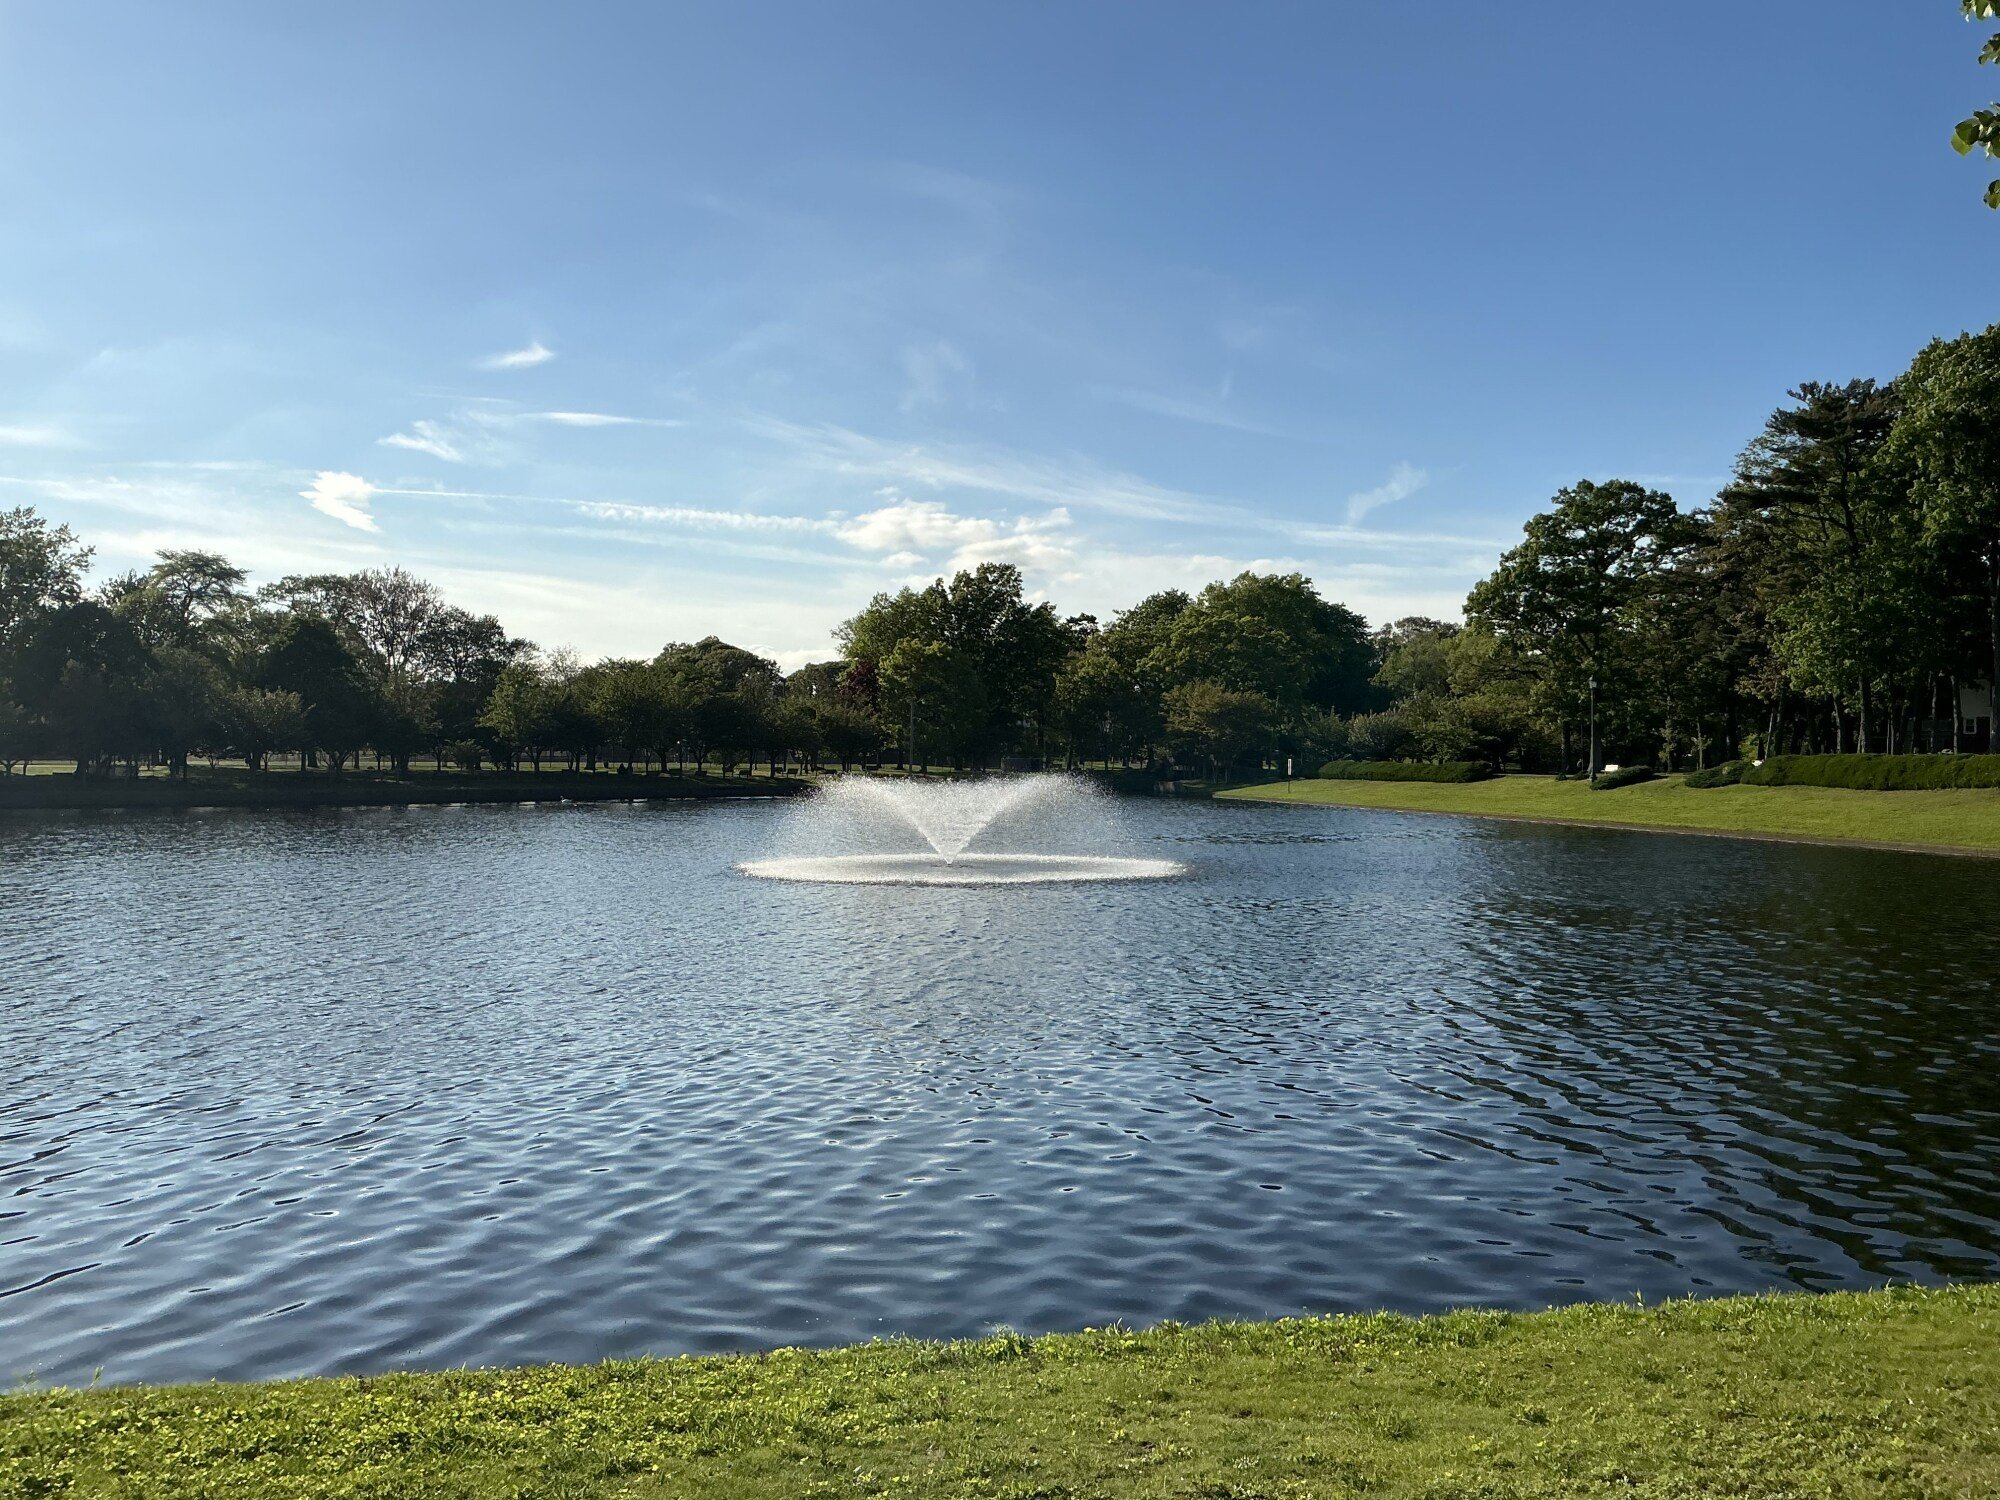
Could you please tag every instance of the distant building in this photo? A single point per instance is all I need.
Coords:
(1975, 716)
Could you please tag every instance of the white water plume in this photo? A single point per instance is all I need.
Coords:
(863, 829)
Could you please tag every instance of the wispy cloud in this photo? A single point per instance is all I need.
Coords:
(345, 497)
(931, 370)
(1073, 482)
(984, 204)
(598, 419)
(1215, 413)
(694, 515)
(428, 437)
(535, 353)
(1404, 481)
(487, 432)
(36, 435)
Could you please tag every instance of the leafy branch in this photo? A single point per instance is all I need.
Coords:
(1981, 130)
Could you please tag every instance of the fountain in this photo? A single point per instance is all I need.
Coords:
(885, 821)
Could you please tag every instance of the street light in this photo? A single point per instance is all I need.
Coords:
(1593, 729)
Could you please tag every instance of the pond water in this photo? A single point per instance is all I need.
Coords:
(288, 1093)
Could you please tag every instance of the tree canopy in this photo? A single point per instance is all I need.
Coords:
(1980, 130)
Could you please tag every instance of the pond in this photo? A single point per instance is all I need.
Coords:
(302, 1093)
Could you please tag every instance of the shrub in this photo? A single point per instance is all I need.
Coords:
(1610, 781)
(1878, 773)
(1729, 773)
(1404, 770)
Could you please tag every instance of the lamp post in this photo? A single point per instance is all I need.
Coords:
(1593, 729)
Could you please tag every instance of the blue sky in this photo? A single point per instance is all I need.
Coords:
(635, 323)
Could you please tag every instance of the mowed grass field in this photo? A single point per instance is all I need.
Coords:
(1893, 1393)
(1963, 821)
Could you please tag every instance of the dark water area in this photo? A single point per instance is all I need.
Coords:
(315, 1092)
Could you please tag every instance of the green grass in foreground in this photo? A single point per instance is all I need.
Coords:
(1944, 820)
(1892, 1393)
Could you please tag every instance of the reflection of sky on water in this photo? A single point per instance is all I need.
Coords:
(356, 1089)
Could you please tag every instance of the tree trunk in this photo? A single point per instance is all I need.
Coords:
(1993, 681)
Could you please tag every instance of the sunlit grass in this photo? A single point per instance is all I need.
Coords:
(1967, 820)
(1878, 1394)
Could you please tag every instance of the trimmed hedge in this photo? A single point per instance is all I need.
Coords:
(1729, 773)
(1878, 773)
(1404, 770)
(1610, 781)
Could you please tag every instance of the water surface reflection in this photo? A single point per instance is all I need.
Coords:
(286, 1093)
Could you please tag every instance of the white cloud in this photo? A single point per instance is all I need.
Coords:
(1404, 481)
(791, 661)
(690, 515)
(536, 353)
(345, 497)
(35, 435)
(592, 419)
(428, 437)
(908, 531)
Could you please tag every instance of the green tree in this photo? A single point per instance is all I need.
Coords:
(628, 703)
(1561, 602)
(81, 672)
(521, 714)
(794, 728)
(462, 657)
(932, 698)
(1980, 131)
(1104, 707)
(849, 731)
(972, 656)
(1221, 726)
(20, 731)
(193, 600)
(256, 722)
(719, 696)
(1947, 440)
(1386, 735)
(308, 657)
(41, 568)
(1271, 634)
(183, 698)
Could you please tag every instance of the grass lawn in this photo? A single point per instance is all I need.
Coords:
(1875, 1394)
(1958, 820)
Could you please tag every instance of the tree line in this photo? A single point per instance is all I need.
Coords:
(1835, 596)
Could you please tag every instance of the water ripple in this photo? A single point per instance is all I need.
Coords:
(313, 1092)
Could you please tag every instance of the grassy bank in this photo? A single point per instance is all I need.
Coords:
(202, 788)
(1962, 821)
(1878, 1394)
